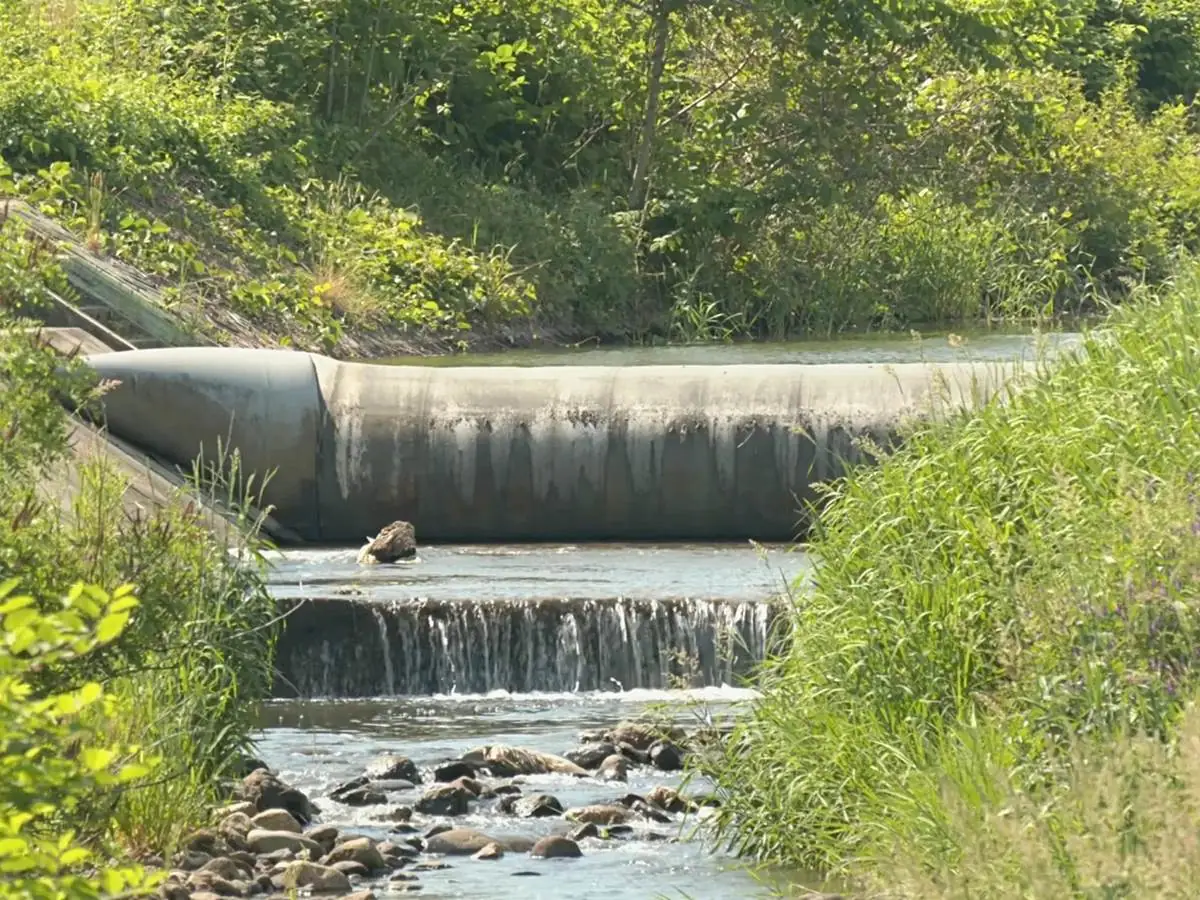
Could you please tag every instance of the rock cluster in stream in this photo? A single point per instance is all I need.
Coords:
(270, 842)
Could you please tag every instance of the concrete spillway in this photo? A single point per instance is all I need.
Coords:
(552, 453)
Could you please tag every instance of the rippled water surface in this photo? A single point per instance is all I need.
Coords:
(316, 745)
(319, 743)
(539, 571)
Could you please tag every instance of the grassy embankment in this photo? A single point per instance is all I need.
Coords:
(989, 692)
(366, 177)
(122, 706)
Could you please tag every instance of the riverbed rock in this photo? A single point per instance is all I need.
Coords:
(347, 786)
(395, 542)
(491, 852)
(555, 846)
(275, 820)
(262, 841)
(398, 814)
(468, 841)
(238, 822)
(399, 854)
(670, 799)
(389, 767)
(537, 806)
(505, 761)
(633, 754)
(214, 883)
(266, 791)
(666, 756)
(590, 756)
(470, 785)
(350, 868)
(204, 840)
(363, 796)
(173, 890)
(446, 800)
(452, 771)
(242, 806)
(614, 768)
(640, 735)
(316, 877)
(589, 830)
(402, 877)
(325, 835)
(391, 785)
(365, 894)
(190, 860)
(360, 850)
(224, 867)
(600, 814)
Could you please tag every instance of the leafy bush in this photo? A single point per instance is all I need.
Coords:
(1031, 568)
(192, 666)
(56, 760)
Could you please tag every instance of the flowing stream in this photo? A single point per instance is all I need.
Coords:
(529, 645)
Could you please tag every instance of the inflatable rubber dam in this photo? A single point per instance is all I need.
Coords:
(487, 454)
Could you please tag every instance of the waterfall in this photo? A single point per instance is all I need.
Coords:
(389, 674)
(348, 648)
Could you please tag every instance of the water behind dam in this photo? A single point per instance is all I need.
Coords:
(965, 344)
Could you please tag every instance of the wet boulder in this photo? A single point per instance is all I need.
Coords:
(490, 852)
(537, 806)
(452, 771)
(458, 842)
(325, 835)
(275, 820)
(361, 850)
(363, 796)
(317, 878)
(640, 735)
(556, 846)
(395, 542)
(614, 768)
(666, 756)
(445, 800)
(600, 814)
(505, 761)
(387, 768)
(266, 791)
(261, 841)
(590, 756)
(669, 799)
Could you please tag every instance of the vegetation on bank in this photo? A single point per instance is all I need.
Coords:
(352, 174)
(1002, 632)
(133, 645)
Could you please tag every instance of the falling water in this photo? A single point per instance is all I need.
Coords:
(347, 648)
(389, 674)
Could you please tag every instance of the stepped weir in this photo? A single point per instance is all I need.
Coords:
(483, 454)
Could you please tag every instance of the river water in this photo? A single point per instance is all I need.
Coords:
(529, 645)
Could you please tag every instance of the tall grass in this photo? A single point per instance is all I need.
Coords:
(1006, 581)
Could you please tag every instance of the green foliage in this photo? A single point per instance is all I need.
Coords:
(1029, 570)
(338, 171)
(55, 758)
(190, 668)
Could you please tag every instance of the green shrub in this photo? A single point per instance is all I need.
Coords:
(1031, 567)
(57, 763)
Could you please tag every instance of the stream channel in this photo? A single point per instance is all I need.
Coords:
(529, 646)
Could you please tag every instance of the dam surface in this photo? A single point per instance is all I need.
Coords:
(485, 454)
